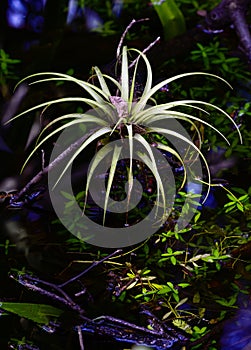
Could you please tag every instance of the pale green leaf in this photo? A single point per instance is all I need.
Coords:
(145, 97)
(99, 157)
(151, 163)
(130, 174)
(176, 154)
(115, 157)
(93, 137)
(148, 83)
(91, 103)
(180, 136)
(124, 75)
(93, 90)
(182, 116)
(89, 118)
(102, 82)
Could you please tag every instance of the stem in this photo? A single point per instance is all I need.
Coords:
(95, 263)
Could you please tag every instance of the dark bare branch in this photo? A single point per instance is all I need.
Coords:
(232, 12)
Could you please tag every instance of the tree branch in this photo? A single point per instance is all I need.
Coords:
(108, 326)
(232, 12)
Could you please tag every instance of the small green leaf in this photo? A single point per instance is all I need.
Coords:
(229, 204)
(243, 198)
(184, 285)
(240, 207)
(230, 209)
(67, 195)
(164, 290)
(196, 298)
(173, 260)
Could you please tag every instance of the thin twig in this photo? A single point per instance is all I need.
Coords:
(80, 337)
(42, 156)
(95, 263)
(67, 302)
(126, 31)
(52, 285)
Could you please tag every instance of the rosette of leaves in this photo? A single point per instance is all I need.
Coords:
(131, 117)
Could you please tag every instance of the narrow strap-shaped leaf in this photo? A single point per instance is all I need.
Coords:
(162, 108)
(124, 75)
(132, 88)
(90, 139)
(120, 121)
(99, 157)
(102, 82)
(62, 127)
(93, 90)
(148, 83)
(83, 117)
(152, 165)
(130, 174)
(145, 97)
(176, 154)
(144, 115)
(186, 118)
(188, 141)
(89, 102)
(115, 157)
(114, 81)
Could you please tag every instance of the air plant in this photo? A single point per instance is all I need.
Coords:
(131, 119)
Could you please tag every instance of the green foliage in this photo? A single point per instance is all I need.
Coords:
(17, 344)
(215, 58)
(8, 68)
(171, 17)
(7, 245)
(106, 29)
(38, 313)
(184, 272)
(236, 203)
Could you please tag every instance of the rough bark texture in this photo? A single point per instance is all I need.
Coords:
(232, 12)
